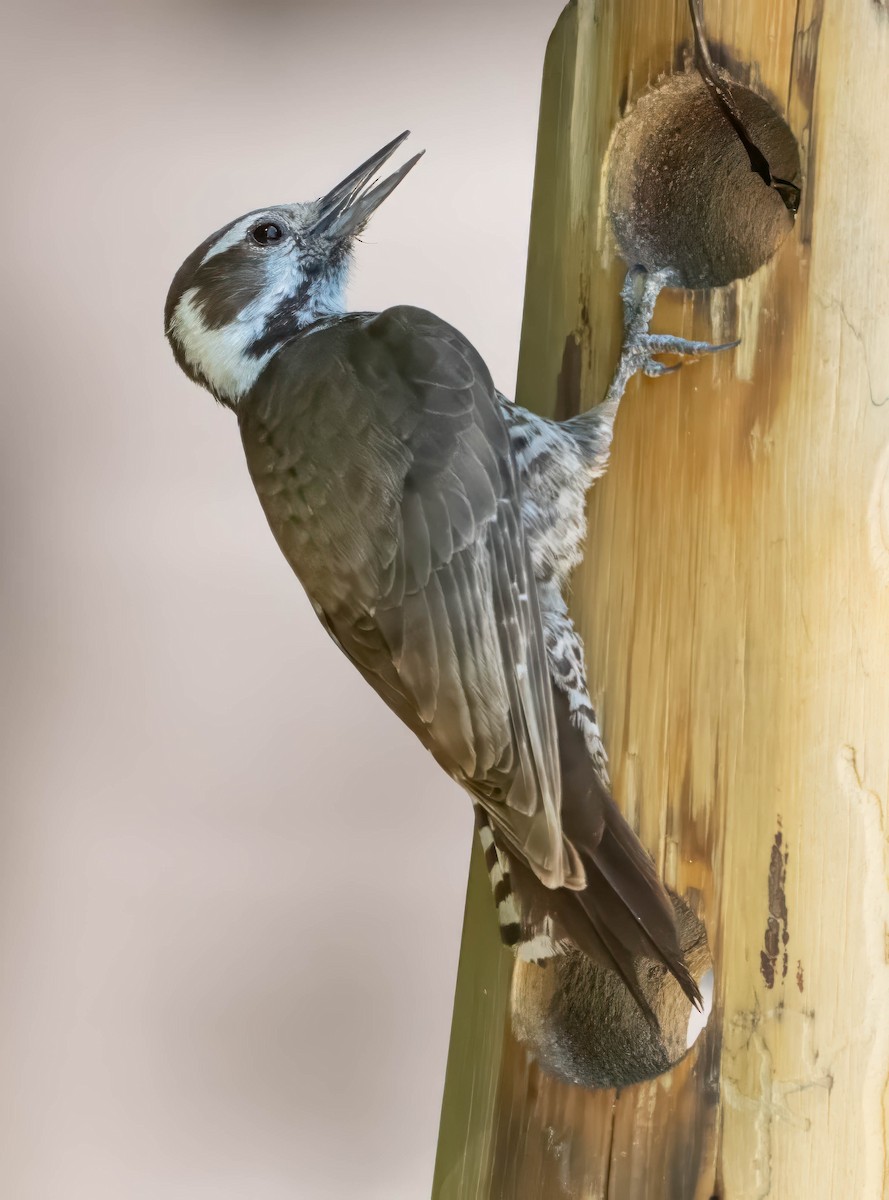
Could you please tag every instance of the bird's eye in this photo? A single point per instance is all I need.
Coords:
(266, 233)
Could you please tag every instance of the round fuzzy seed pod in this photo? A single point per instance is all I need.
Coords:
(681, 193)
(582, 1025)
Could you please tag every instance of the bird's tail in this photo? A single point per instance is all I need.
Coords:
(623, 914)
(625, 910)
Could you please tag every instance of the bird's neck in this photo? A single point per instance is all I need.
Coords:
(228, 359)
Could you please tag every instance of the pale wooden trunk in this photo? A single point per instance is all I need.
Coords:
(734, 602)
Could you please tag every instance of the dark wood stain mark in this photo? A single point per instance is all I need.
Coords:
(805, 56)
(777, 934)
(686, 1165)
(623, 99)
(609, 1155)
(568, 382)
(800, 978)
(683, 57)
(803, 73)
(746, 73)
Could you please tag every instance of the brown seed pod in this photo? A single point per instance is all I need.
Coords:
(681, 193)
(581, 1024)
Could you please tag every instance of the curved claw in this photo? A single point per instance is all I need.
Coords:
(640, 348)
(654, 369)
(660, 343)
(712, 349)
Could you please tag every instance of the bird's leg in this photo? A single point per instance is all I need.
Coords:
(639, 294)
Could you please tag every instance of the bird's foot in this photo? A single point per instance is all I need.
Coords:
(639, 295)
(641, 289)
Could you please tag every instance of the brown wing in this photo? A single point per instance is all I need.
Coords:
(380, 455)
(433, 597)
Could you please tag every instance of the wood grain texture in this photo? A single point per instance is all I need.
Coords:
(734, 602)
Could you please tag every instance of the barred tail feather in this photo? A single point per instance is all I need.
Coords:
(497, 863)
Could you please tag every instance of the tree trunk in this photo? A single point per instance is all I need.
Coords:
(734, 603)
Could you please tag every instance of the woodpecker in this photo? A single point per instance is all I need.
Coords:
(434, 525)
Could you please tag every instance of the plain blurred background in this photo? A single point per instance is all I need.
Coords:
(194, 1002)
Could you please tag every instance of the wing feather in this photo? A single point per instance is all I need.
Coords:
(422, 572)
(379, 451)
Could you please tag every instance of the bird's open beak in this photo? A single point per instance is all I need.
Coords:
(347, 207)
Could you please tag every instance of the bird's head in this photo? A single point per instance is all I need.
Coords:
(254, 283)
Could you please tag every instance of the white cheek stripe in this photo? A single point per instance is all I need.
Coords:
(220, 355)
